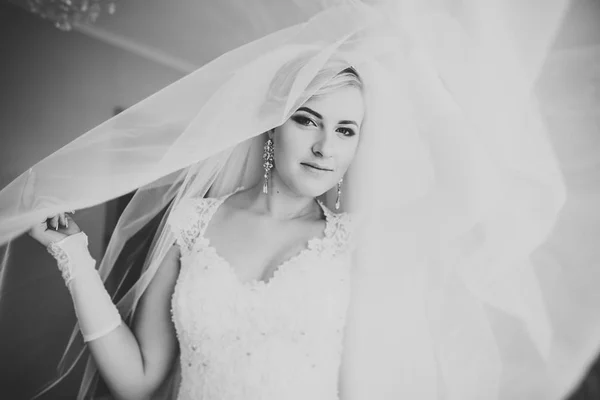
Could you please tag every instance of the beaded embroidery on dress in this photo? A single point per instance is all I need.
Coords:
(280, 339)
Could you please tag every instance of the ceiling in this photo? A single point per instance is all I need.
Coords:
(185, 34)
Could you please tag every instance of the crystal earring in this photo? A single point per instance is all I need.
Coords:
(268, 164)
(339, 194)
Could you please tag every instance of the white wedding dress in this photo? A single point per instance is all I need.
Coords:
(274, 340)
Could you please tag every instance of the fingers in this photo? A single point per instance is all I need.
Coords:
(54, 222)
(57, 221)
(63, 220)
(71, 226)
(54, 228)
(47, 232)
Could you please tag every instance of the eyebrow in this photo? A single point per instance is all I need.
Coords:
(316, 114)
(310, 111)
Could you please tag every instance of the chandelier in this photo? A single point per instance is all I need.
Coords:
(67, 13)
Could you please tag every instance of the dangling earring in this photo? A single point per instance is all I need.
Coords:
(268, 164)
(339, 194)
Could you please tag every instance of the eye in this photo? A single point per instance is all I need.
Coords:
(302, 120)
(347, 132)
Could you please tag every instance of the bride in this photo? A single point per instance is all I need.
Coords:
(370, 204)
(257, 313)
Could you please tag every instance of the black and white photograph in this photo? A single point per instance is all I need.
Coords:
(300, 200)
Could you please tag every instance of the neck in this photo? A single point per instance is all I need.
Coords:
(281, 203)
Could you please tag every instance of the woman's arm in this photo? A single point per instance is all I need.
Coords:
(134, 364)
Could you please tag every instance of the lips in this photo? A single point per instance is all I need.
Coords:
(317, 166)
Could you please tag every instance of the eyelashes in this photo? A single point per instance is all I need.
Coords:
(305, 121)
(349, 132)
(302, 120)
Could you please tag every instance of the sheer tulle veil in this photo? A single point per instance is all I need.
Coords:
(473, 189)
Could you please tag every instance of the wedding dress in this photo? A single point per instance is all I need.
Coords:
(275, 339)
(477, 173)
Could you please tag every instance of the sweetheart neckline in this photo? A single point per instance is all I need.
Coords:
(255, 283)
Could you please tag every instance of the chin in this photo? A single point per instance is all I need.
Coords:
(312, 189)
(308, 185)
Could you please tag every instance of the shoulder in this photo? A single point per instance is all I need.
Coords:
(341, 229)
(190, 209)
(189, 217)
(341, 222)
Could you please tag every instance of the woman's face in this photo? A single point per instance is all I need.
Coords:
(316, 145)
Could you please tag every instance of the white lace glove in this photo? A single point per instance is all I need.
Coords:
(96, 313)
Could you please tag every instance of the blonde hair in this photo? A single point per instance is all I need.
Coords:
(335, 74)
(348, 77)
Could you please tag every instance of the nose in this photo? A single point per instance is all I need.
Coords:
(323, 146)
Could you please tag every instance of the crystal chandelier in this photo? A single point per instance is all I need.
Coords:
(67, 13)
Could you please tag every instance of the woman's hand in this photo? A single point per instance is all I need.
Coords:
(54, 228)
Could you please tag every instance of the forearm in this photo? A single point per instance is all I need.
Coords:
(113, 345)
(117, 353)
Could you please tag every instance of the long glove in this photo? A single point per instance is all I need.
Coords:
(96, 313)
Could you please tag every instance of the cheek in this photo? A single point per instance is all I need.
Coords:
(284, 153)
(347, 153)
(290, 146)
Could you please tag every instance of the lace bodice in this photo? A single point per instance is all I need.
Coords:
(254, 340)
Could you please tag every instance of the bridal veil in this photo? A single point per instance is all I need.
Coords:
(475, 187)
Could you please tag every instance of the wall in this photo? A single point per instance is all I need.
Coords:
(54, 86)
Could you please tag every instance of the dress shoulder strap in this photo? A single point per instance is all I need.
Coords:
(339, 230)
(188, 220)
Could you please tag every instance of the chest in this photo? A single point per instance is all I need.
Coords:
(254, 247)
(310, 291)
(288, 328)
